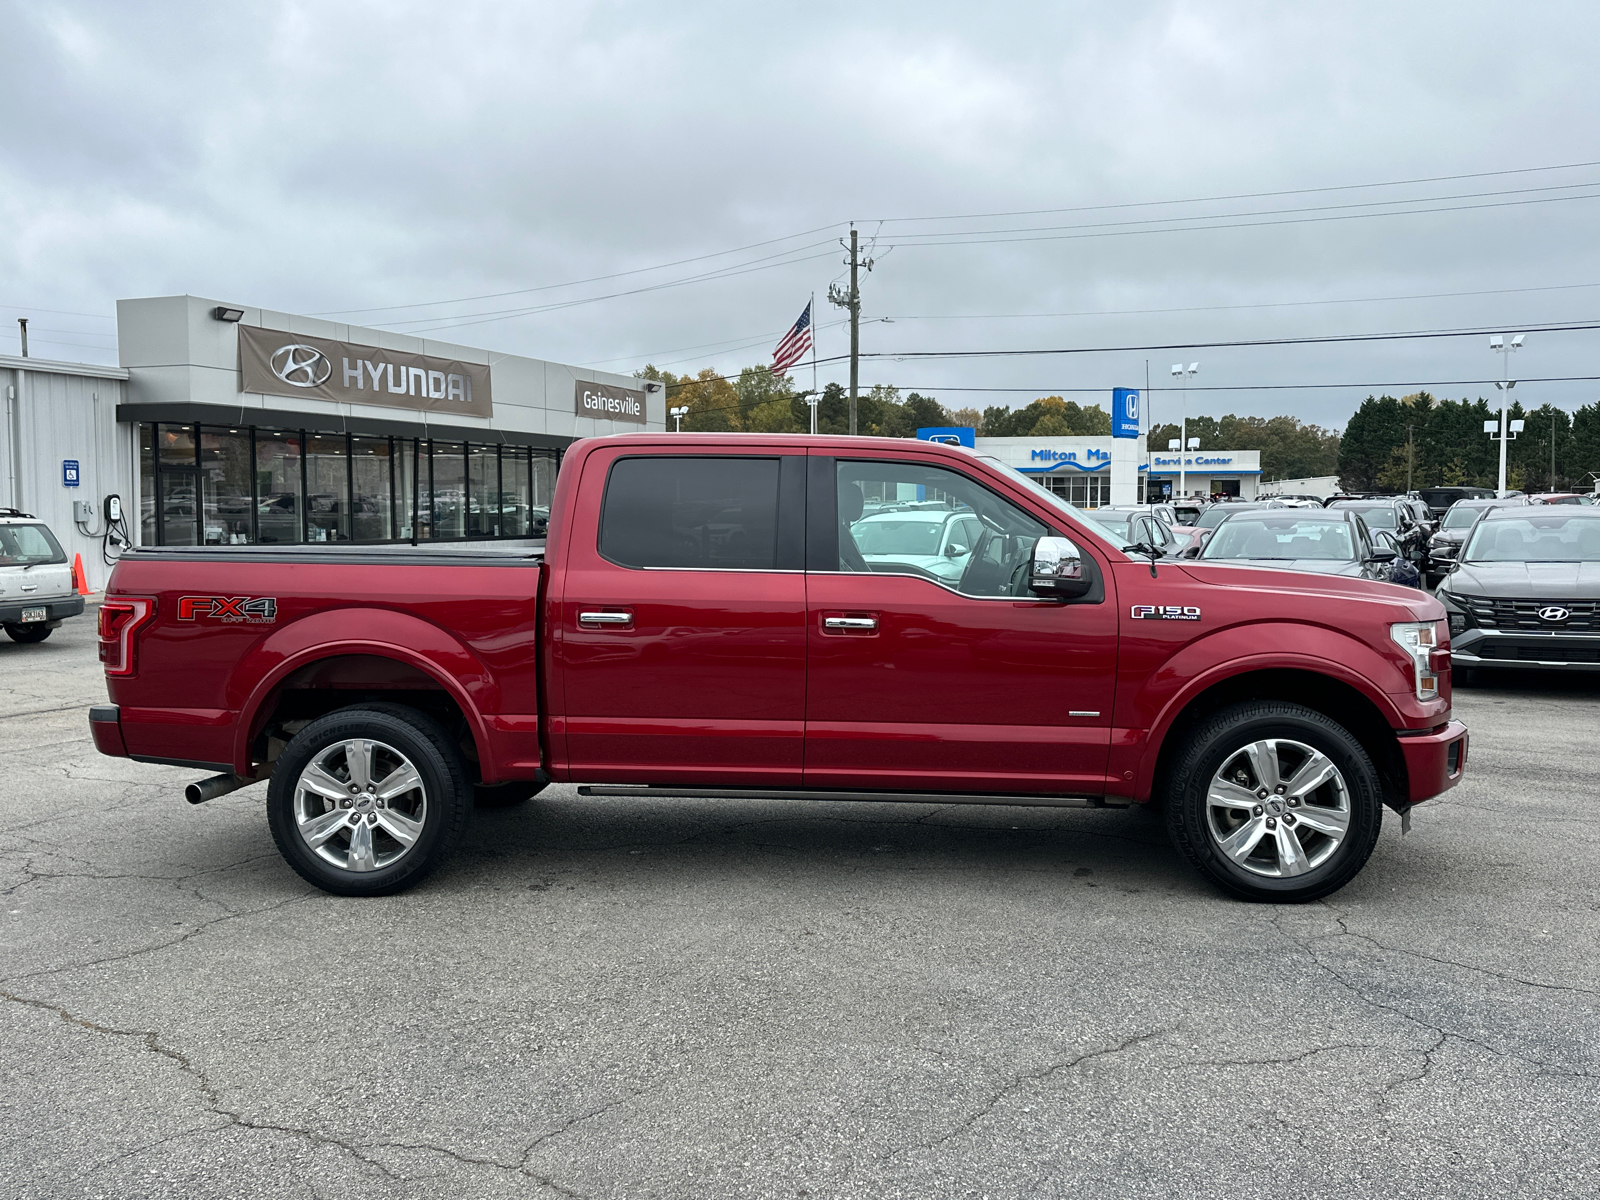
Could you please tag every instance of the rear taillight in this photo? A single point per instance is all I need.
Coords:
(119, 619)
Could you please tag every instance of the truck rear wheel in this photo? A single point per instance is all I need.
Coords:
(29, 635)
(367, 801)
(1274, 801)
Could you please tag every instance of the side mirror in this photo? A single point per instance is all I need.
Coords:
(1057, 569)
(954, 550)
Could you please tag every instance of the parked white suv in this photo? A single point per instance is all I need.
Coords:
(36, 590)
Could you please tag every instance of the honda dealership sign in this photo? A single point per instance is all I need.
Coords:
(276, 363)
(1124, 412)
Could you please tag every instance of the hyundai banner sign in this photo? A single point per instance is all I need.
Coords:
(1125, 412)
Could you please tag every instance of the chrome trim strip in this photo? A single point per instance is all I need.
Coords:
(605, 618)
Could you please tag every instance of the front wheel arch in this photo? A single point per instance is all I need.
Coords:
(1321, 693)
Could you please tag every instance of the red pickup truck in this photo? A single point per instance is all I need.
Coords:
(785, 617)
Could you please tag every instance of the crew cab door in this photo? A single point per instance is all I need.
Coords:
(967, 685)
(679, 625)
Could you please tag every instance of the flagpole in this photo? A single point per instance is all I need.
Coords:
(814, 333)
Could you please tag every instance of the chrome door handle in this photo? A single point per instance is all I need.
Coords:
(605, 618)
(850, 622)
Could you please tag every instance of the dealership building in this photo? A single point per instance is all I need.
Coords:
(1082, 469)
(229, 425)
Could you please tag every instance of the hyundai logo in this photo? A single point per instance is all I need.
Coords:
(300, 366)
(1554, 612)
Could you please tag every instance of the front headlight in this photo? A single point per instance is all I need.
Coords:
(1420, 639)
(1455, 612)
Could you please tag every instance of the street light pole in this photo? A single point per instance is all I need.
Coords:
(1504, 349)
(678, 414)
(1184, 374)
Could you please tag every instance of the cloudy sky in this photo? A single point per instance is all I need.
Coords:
(615, 184)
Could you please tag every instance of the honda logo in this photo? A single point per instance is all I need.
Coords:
(1554, 612)
(301, 366)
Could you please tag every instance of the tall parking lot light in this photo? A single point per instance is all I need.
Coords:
(1504, 349)
(1184, 373)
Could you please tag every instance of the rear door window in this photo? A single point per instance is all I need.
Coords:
(683, 512)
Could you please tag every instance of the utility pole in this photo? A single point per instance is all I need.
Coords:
(1552, 449)
(851, 300)
(1411, 456)
(22, 322)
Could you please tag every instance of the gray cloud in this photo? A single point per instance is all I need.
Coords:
(319, 157)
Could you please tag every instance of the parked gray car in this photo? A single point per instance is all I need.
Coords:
(36, 592)
(1457, 522)
(1526, 591)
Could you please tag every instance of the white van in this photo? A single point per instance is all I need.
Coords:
(36, 591)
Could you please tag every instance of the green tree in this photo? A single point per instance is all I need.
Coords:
(1369, 440)
(1584, 456)
(971, 418)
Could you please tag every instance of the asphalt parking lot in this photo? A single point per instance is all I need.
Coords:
(607, 998)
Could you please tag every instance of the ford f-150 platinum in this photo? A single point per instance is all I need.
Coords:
(704, 620)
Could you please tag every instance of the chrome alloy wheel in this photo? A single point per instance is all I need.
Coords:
(360, 805)
(1278, 808)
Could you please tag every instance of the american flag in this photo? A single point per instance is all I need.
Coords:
(794, 345)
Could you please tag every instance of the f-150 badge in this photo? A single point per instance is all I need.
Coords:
(251, 610)
(1165, 612)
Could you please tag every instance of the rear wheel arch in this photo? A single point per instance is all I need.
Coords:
(1336, 699)
(337, 676)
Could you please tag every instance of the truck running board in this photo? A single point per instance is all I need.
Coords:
(714, 793)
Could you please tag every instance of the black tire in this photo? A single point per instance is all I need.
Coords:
(446, 794)
(506, 795)
(29, 635)
(1219, 741)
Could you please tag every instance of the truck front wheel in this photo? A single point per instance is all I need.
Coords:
(1274, 801)
(366, 801)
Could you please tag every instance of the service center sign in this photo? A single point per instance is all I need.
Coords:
(276, 363)
(607, 403)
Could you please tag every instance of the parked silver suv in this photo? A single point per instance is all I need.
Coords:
(36, 591)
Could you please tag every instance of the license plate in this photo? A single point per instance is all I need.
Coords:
(34, 614)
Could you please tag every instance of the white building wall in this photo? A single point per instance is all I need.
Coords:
(56, 411)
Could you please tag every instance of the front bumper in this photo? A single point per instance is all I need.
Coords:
(60, 608)
(1525, 648)
(1434, 761)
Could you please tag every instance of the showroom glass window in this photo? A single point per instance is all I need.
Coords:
(240, 485)
(225, 503)
(371, 490)
(279, 486)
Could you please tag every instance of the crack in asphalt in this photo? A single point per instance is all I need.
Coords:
(177, 941)
(152, 1042)
(1023, 1080)
(1307, 946)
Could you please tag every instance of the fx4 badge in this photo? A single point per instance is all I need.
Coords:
(1165, 612)
(256, 610)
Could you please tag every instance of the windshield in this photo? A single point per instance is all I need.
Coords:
(1216, 514)
(1276, 536)
(878, 536)
(21, 545)
(1559, 537)
(1379, 518)
(1460, 518)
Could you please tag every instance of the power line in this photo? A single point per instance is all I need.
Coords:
(1344, 187)
(1344, 216)
(720, 273)
(1314, 208)
(1134, 312)
(56, 312)
(1326, 339)
(577, 282)
(1054, 390)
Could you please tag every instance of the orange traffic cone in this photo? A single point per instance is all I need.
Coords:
(79, 582)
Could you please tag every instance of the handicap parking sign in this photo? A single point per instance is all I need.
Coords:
(69, 472)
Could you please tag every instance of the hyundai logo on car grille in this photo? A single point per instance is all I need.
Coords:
(301, 366)
(1553, 612)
